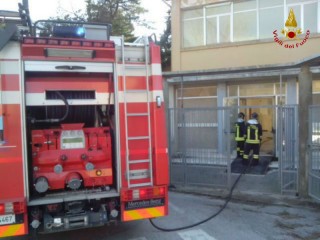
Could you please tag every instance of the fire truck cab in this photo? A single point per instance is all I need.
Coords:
(82, 128)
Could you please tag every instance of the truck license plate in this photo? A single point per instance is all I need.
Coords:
(7, 219)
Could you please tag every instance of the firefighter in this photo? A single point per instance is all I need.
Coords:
(240, 129)
(253, 140)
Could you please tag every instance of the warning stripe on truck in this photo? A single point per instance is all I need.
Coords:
(143, 213)
(12, 230)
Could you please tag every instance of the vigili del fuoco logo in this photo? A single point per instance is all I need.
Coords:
(291, 32)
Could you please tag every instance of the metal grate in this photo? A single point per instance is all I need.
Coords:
(52, 95)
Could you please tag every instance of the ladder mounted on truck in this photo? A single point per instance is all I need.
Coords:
(146, 174)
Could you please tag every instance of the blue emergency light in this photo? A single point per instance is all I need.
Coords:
(68, 31)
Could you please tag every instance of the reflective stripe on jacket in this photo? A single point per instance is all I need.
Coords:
(254, 132)
(239, 131)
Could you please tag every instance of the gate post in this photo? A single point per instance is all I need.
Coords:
(305, 100)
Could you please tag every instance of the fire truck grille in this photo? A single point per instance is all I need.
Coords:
(51, 95)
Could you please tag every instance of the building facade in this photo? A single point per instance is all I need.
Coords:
(214, 38)
(222, 49)
(245, 53)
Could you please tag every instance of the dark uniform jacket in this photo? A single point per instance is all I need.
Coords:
(254, 132)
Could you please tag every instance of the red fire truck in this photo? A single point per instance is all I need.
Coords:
(82, 129)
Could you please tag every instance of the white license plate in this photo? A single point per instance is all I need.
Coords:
(7, 219)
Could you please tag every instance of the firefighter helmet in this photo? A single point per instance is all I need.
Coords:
(254, 115)
(241, 115)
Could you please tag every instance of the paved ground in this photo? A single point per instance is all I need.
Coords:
(240, 220)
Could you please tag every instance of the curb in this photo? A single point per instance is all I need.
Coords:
(249, 197)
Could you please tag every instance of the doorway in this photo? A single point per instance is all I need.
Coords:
(267, 118)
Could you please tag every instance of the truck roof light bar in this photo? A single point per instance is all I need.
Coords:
(76, 29)
(68, 31)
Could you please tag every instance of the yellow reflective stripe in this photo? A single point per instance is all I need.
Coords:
(239, 138)
(143, 213)
(256, 135)
(253, 141)
(132, 215)
(12, 230)
(154, 212)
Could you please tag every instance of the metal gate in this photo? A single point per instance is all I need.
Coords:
(199, 146)
(314, 152)
(287, 148)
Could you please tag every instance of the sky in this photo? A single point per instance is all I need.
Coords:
(43, 9)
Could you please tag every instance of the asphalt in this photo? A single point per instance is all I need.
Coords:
(252, 189)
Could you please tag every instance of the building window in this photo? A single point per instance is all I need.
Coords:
(218, 24)
(316, 92)
(271, 17)
(306, 13)
(193, 31)
(261, 89)
(196, 97)
(243, 20)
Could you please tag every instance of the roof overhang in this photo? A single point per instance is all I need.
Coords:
(262, 72)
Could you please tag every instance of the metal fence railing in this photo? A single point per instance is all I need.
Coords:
(199, 146)
(288, 148)
(314, 152)
(202, 146)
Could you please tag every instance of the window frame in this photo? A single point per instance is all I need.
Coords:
(286, 6)
(218, 16)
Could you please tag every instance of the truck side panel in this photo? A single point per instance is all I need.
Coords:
(12, 186)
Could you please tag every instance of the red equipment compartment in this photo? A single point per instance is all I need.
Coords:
(71, 157)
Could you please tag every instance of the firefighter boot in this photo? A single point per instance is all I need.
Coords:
(255, 160)
(245, 160)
